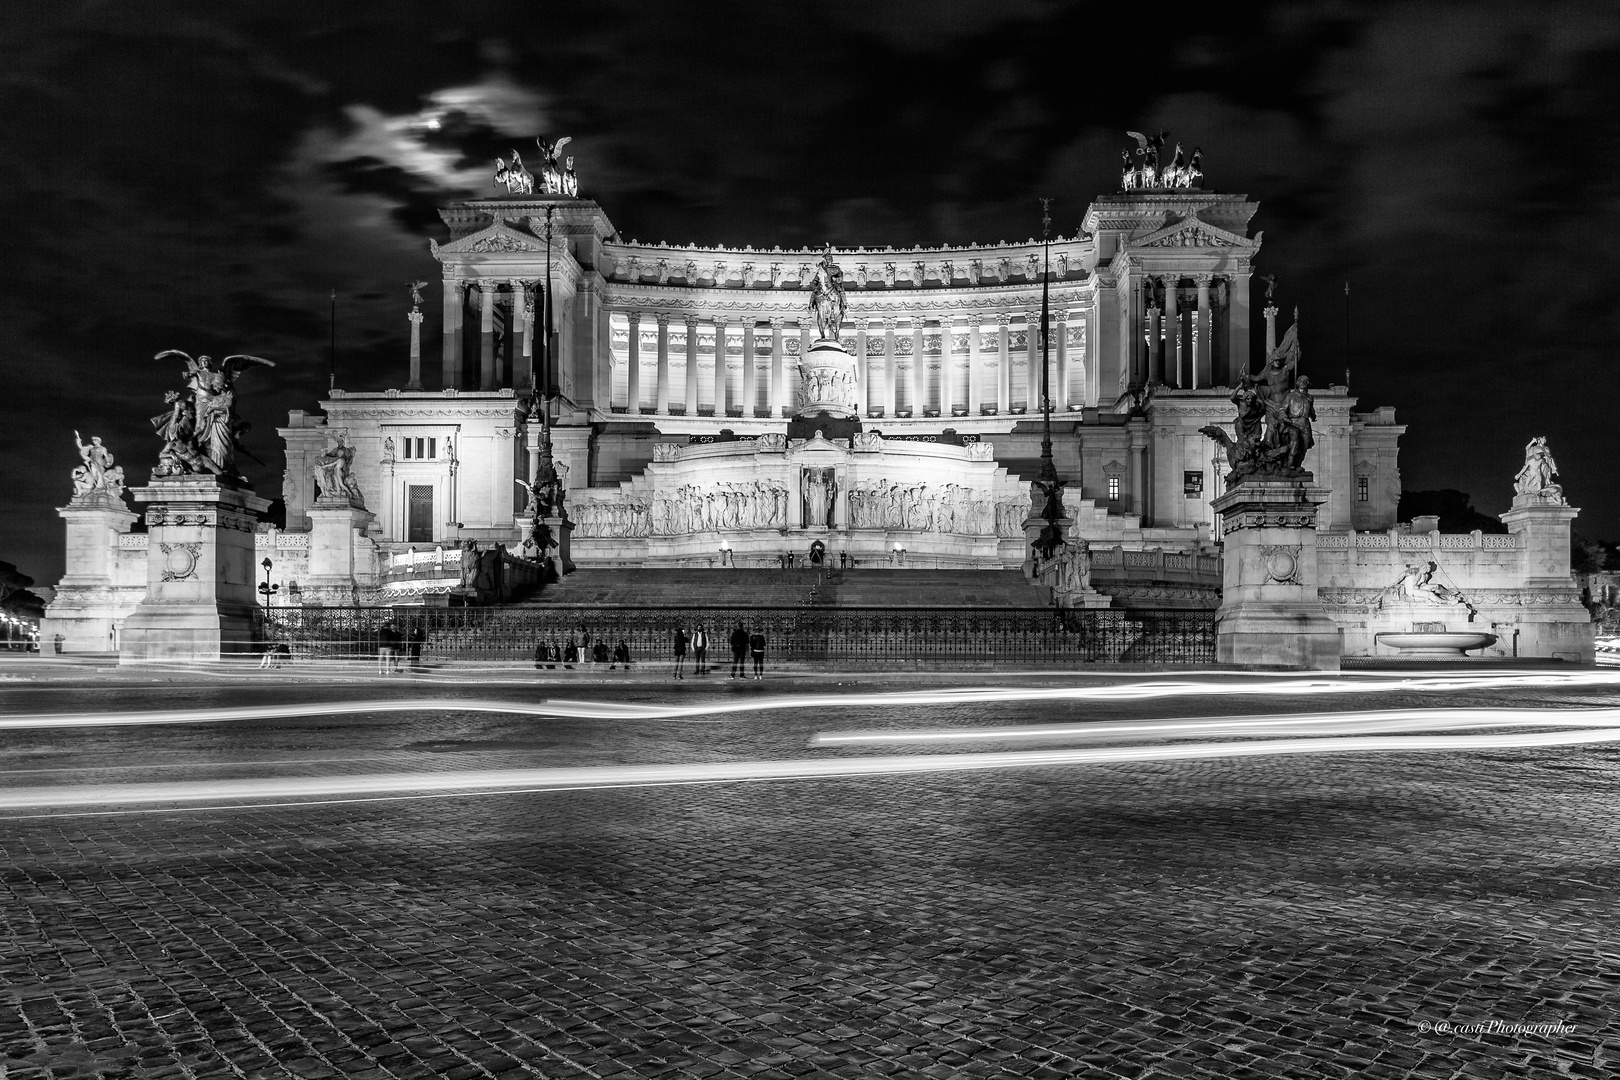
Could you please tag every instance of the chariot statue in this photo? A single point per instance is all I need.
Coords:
(514, 178)
(553, 179)
(827, 301)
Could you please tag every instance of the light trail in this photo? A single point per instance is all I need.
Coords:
(1379, 721)
(703, 711)
(507, 781)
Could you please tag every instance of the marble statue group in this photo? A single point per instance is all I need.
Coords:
(334, 471)
(1181, 172)
(1535, 478)
(827, 300)
(200, 430)
(552, 179)
(98, 477)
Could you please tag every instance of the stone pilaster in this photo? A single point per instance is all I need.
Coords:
(200, 572)
(1270, 614)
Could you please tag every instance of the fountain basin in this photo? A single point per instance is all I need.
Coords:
(1435, 645)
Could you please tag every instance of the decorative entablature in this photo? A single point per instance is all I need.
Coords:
(570, 217)
(1193, 232)
(505, 253)
(864, 268)
(874, 307)
(421, 407)
(1141, 212)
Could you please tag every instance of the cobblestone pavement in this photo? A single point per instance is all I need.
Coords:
(1260, 917)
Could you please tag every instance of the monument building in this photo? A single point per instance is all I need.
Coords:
(597, 402)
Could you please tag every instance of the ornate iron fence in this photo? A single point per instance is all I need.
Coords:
(830, 636)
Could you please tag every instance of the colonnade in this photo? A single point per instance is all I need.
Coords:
(1185, 327)
(510, 302)
(905, 366)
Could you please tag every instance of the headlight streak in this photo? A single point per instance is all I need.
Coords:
(702, 710)
(488, 782)
(1379, 721)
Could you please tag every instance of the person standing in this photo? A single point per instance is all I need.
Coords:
(680, 652)
(700, 650)
(756, 646)
(388, 642)
(418, 639)
(739, 651)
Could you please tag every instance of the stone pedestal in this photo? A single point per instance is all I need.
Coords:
(1542, 525)
(86, 604)
(828, 381)
(338, 568)
(560, 528)
(200, 572)
(1270, 615)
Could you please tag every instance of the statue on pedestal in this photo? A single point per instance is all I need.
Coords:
(1274, 417)
(1535, 478)
(98, 477)
(332, 472)
(201, 430)
(552, 179)
(827, 302)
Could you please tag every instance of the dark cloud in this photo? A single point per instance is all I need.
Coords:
(204, 176)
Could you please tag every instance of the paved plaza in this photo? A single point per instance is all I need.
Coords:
(1255, 917)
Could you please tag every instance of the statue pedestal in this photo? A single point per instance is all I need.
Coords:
(1542, 525)
(827, 382)
(200, 573)
(1270, 615)
(339, 565)
(86, 604)
(560, 528)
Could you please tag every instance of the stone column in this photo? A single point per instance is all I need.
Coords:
(1270, 614)
(1271, 330)
(1237, 322)
(778, 407)
(415, 382)
(1203, 363)
(486, 335)
(1155, 344)
(1138, 449)
(722, 370)
(1032, 356)
(975, 376)
(1172, 331)
(633, 396)
(891, 370)
(749, 394)
(691, 365)
(1004, 368)
(661, 401)
(525, 380)
(863, 373)
(451, 362)
(919, 370)
(1060, 357)
(199, 601)
(804, 353)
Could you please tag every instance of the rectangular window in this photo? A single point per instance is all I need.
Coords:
(1361, 489)
(421, 449)
(1113, 489)
(1192, 483)
(406, 443)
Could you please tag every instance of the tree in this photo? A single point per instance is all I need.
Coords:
(12, 581)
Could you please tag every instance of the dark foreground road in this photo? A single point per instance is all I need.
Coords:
(1287, 917)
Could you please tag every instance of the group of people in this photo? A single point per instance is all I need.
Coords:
(391, 645)
(743, 645)
(581, 648)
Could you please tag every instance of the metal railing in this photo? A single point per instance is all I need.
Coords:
(933, 637)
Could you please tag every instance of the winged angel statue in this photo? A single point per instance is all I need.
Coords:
(201, 428)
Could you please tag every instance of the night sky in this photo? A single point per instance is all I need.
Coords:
(201, 176)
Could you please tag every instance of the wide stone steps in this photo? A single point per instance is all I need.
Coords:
(730, 587)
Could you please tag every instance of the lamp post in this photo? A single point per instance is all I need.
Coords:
(268, 590)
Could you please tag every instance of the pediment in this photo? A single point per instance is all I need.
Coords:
(1192, 231)
(497, 237)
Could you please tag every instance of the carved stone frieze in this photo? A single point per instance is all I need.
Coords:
(1267, 518)
(180, 560)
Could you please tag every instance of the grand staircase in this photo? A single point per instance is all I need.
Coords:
(824, 587)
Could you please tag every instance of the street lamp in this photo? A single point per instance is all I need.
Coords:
(268, 590)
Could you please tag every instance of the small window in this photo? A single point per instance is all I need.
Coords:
(421, 449)
(1361, 489)
(1113, 489)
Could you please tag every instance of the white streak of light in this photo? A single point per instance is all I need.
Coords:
(1380, 721)
(497, 781)
(599, 710)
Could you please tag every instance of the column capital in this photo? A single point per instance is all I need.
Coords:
(1203, 280)
(778, 322)
(890, 323)
(663, 318)
(692, 322)
(633, 318)
(1003, 319)
(415, 316)
(487, 286)
(1170, 281)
